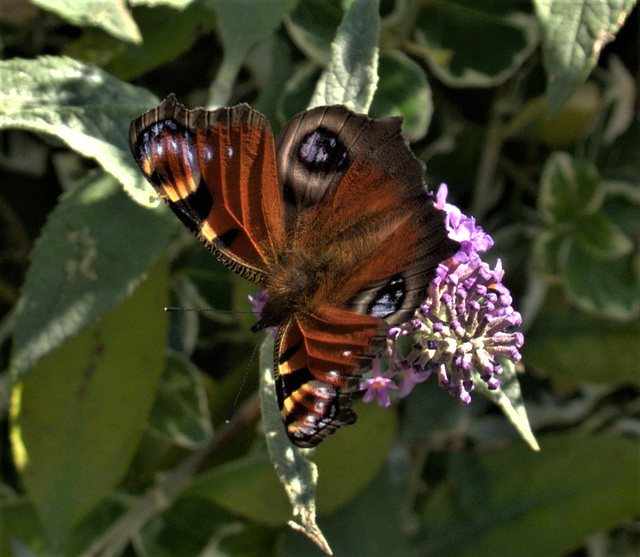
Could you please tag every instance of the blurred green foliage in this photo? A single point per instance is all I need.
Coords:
(113, 411)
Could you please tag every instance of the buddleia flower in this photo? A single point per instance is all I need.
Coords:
(466, 323)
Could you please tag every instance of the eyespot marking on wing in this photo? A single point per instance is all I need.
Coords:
(388, 299)
(321, 150)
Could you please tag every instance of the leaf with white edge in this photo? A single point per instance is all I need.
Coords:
(475, 44)
(296, 472)
(76, 422)
(180, 412)
(403, 90)
(112, 16)
(601, 287)
(600, 236)
(509, 398)
(573, 35)
(620, 161)
(352, 74)
(86, 108)
(93, 251)
(373, 524)
(620, 96)
(569, 188)
(547, 245)
(242, 25)
(271, 64)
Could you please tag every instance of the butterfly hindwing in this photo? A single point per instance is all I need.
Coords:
(317, 358)
(216, 170)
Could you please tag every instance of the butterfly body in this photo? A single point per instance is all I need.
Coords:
(332, 218)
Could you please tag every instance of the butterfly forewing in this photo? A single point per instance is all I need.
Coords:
(216, 170)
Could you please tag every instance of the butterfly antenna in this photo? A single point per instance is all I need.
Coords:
(244, 380)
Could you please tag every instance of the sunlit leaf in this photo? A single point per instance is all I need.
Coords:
(573, 35)
(95, 248)
(82, 106)
(351, 76)
(112, 16)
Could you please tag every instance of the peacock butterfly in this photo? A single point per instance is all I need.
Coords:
(333, 219)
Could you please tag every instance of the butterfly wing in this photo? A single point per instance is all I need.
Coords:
(217, 171)
(355, 201)
(316, 357)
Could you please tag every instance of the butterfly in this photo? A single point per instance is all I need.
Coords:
(333, 218)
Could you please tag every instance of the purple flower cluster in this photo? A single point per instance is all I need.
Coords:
(461, 327)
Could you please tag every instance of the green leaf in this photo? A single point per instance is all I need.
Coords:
(569, 345)
(312, 27)
(247, 486)
(583, 484)
(178, 4)
(573, 35)
(372, 525)
(242, 25)
(298, 90)
(364, 446)
(250, 540)
(81, 105)
(95, 248)
(564, 128)
(112, 16)
(94, 525)
(619, 99)
(509, 398)
(547, 245)
(271, 64)
(430, 413)
(196, 527)
(77, 419)
(351, 76)
(474, 44)
(607, 288)
(19, 524)
(569, 188)
(180, 413)
(599, 236)
(403, 90)
(622, 205)
(298, 475)
(621, 159)
(166, 34)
